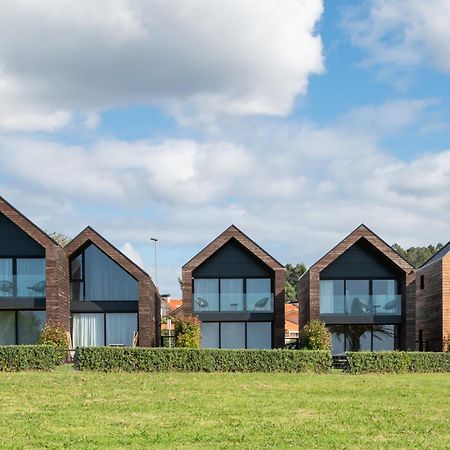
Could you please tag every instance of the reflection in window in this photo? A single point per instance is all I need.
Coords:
(383, 338)
(30, 324)
(357, 297)
(7, 327)
(206, 294)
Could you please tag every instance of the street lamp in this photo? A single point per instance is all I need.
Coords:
(156, 265)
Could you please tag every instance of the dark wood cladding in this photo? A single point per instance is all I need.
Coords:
(309, 283)
(57, 273)
(433, 304)
(149, 299)
(279, 276)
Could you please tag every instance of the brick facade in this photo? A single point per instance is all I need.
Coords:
(149, 298)
(57, 272)
(279, 275)
(309, 283)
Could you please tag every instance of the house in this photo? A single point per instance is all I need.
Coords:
(90, 287)
(291, 329)
(170, 309)
(433, 302)
(236, 289)
(365, 294)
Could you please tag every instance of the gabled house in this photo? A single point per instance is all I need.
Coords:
(34, 280)
(433, 302)
(365, 294)
(111, 296)
(236, 289)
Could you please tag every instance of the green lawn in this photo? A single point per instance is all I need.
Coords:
(66, 408)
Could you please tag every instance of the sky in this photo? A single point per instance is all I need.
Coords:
(295, 120)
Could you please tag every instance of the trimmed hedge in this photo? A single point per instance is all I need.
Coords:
(389, 362)
(200, 360)
(14, 358)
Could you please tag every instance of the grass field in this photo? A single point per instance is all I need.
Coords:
(66, 408)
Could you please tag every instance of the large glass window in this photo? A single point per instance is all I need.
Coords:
(96, 277)
(354, 338)
(120, 328)
(30, 324)
(259, 335)
(232, 294)
(232, 335)
(7, 327)
(332, 298)
(386, 298)
(88, 329)
(210, 335)
(22, 277)
(236, 335)
(206, 294)
(259, 294)
(360, 297)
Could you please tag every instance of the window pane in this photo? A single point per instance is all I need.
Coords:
(357, 297)
(88, 330)
(7, 327)
(206, 294)
(232, 294)
(386, 297)
(259, 294)
(120, 328)
(76, 268)
(358, 338)
(105, 280)
(77, 293)
(259, 335)
(384, 338)
(337, 339)
(210, 334)
(332, 300)
(232, 334)
(6, 277)
(31, 277)
(30, 324)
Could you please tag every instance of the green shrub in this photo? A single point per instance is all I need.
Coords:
(200, 360)
(387, 362)
(187, 332)
(14, 358)
(315, 336)
(55, 335)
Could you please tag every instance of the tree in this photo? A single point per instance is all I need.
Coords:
(416, 256)
(60, 238)
(293, 273)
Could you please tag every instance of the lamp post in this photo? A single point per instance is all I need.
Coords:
(156, 264)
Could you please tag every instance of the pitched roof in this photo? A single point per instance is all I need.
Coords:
(362, 232)
(89, 235)
(233, 232)
(442, 253)
(23, 222)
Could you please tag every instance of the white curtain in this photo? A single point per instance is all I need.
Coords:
(232, 294)
(327, 296)
(207, 289)
(88, 330)
(120, 328)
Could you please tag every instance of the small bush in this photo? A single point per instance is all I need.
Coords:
(55, 335)
(397, 362)
(200, 360)
(14, 358)
(187, 332)
(315, 336)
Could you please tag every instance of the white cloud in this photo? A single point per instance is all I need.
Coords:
(129, 250)
(196, 58)
(397, 33)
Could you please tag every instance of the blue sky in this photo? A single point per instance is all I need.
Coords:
(294, 120)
